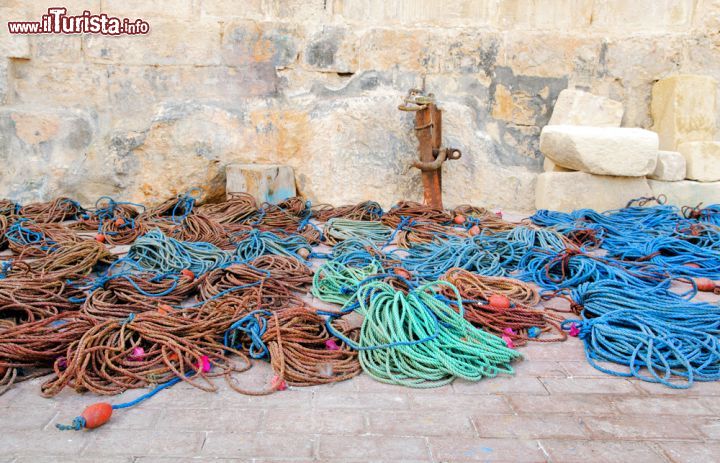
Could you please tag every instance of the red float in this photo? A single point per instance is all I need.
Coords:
(499, 301)
(97, 415)
(704, 284)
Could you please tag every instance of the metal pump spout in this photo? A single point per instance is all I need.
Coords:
(428, 129)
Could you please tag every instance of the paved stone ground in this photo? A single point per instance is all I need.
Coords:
(557, 408)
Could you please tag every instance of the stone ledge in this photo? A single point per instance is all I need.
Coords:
(268, 183)
(687, 192)
(567, 191)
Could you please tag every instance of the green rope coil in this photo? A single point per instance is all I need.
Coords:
(337, 283)
(339, 229)
(416, 339)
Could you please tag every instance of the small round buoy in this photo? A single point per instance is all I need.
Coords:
(204, 364)
(401, 272)
(459, 219)
(304, 253)
(164, 309)
(188, 273)
(474, 230)
(508, 341)
(100, 238)
(97, 415)
(705, 285)
(499, 301)
(330, 344)
(119, 222)
(278, 383)
(574, 330)
(138, 353)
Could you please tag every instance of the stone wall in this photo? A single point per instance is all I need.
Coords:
(315, 84)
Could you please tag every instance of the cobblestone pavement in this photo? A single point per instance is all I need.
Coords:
(557, 408)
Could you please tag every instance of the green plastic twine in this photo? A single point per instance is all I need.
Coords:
(449, 348)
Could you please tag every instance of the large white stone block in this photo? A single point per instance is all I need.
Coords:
(702, 159)
(670, 166)
(550, 166)
(601, 150)
(267, 183)
(575, 107)
(567, 191)
(687, 192)
(684, 108)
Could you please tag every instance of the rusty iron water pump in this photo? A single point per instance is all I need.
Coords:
(428, 129)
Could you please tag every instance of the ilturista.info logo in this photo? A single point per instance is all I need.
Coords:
(57, 21)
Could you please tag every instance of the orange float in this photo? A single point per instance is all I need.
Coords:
(188, 273)
(499, 301)
(97, 415)
(705, 285)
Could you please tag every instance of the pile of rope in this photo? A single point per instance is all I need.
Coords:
(504, 306)
(412, 338)
(421, 296)
(657, 335)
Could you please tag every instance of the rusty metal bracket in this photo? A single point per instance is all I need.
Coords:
(441, 155)
(428, 129)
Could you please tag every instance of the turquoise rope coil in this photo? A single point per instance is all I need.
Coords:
(255, 243)
(339, 229)
(416, 340)
(159, 253)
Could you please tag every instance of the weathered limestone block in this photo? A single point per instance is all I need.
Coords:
(187, 145)
(550, 166)
(267, 183)
(14, 46)
(275, 44)
(643, 15)
(702, 159)
(684, 109)
(670, 166)
(575, 107)
(233, 8)
(170, 42)
(70, 85)
(4, 79)
(567, 191)
(331, 50)
(687, 192)
(601, 150)
(44, 152)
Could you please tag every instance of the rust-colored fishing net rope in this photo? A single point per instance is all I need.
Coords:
(120, 297)
(57, 210)
(70, 261)
(301, 350)
(37, 345)
(147, 349)
(32, 239)
(366, 210)
(26, 300)
(409, 209)
(515, 319)
(236, 209)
